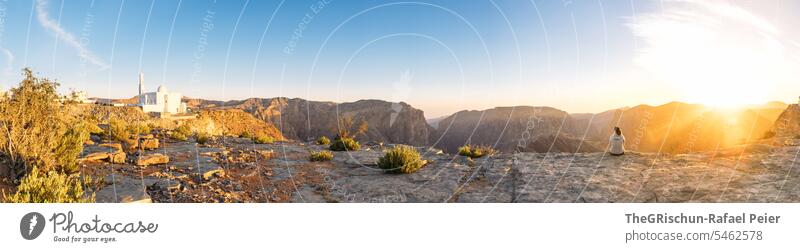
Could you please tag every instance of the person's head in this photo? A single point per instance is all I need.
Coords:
(617, 131)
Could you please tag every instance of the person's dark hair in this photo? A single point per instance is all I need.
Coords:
(618, 131)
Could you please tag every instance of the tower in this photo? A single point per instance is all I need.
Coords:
(141, 84)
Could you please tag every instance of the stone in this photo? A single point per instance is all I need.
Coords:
(150, 144)
(219, 172)
(117, 157)
(123, 189)
(152, 159)
(115, 146)
(98, 156)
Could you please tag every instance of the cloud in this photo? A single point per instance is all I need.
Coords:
(714, 48)
(9, 59)
(43, 16)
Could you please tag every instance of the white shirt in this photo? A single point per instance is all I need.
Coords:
(616, 144)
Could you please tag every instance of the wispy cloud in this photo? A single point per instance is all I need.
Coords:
(43, 16)
(714, 46)
(9, 60)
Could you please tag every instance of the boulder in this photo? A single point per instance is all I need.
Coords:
(219, 172)
(117, 157)
(152, 159)
(123, 189)
(149, 144)
(115, 146)
(99, 156)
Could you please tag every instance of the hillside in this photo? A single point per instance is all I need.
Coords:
(523, 128)
(304, 120)
(788, 123)
(674, 127)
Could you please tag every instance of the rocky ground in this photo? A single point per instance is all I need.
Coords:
(236, 170)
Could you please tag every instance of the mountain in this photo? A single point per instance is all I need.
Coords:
(305, 120)
(673, 127)
(678, 127)
(788, 122)
(522, 128)
(434, 122)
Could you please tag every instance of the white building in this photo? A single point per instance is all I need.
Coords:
(160, 101)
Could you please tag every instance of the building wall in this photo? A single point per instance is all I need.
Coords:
(162, 102)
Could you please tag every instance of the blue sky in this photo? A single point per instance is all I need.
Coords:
(439, 56)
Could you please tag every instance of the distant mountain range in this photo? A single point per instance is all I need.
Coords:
(674, 127)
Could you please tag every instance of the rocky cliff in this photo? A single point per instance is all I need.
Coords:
(305, 120)
(788, 123)
(521, 128)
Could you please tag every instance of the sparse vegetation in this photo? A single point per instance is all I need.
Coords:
(263, 139)
(246, 134)
(401, 159)
(345, 144)
(36, 130)
(321, 156)
(70, 147)
(50, 187)
(323, 140)
(138, 128)
(202, 138)
(349, 128)
(118, 130)
(475, 151)
(181, 133)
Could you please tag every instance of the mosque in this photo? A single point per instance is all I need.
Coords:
(161, 101)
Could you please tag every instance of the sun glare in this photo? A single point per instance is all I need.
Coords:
(714, 54)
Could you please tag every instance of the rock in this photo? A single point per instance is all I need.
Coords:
(152, 159)
(123, 189)
(266, 153)
(117, 157)
(115, 146)
(131, 145)
(95, 138)
(388, 122)
(99, 156)
(149, 144)
(219, 172)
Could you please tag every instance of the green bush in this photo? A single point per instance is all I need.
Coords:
(38, 128)
(70, 146)
(401, 159)
(320, 156)
(475, 151)
(263, 139)
(50, 187)
(323, 141)
(118, 130)
(345, 144)
(202, 138)
(139, 128)
(246, 134)
(181, 133)
(92, 128)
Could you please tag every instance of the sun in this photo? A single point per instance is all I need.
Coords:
(715, 55)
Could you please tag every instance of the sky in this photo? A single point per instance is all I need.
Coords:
(439, 56)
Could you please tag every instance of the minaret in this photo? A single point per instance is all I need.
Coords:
(141, 89)
(141, 84)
